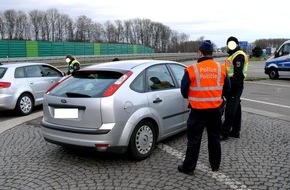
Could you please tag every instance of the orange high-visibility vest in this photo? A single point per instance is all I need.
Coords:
(206, 86)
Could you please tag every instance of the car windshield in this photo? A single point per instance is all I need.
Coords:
(86, 84)
(2, 71)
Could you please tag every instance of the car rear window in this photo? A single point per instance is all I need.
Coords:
(2, 71)
(86, 84)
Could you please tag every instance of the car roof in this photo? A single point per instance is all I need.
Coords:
(126, 64)
(17, 64)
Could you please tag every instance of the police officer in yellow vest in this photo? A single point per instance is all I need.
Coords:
(73, 64)
(204, 84)
(237, 66)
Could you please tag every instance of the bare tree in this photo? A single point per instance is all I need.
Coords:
(84, 29)
(138, 31)
(2, 26)
(156, 31)
(174, 42)
(265, 43)
(110, 31)
(70, 28)
(146, 32)
(61, 26)
(36, 18)
(134, 31)
(165, 38)
(22, 31)
(45, 28)
(50, 25)
(10, 17)
(119, 31)
(52, 19)
(127, 31)
(98, 32)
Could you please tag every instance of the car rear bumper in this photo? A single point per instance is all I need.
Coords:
(114, 149)
(7, 102)
(105, 142)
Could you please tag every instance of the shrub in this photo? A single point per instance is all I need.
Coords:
(257, 52)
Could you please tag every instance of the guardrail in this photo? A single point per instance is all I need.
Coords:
(86, 59)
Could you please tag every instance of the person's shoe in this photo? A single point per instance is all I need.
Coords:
(182, 170)
(224, 137)
(215, 169)
(237, 135)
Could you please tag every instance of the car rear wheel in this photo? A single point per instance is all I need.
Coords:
(273, 74)
(142, 141)
(24, 104)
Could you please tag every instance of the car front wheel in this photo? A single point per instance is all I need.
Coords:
(24, 104)
(273, 74)
(142, 141)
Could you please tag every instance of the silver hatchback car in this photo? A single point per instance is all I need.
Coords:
(121, 106)
(22, 85)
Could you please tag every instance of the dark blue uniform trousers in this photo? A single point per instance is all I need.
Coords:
(233, 114)
(197, 121)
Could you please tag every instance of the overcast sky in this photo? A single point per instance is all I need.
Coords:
(215, 20)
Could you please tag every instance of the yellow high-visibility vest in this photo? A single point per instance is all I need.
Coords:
(230, 66)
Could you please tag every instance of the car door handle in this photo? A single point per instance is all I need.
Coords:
(157, 100)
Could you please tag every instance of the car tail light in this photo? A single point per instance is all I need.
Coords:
(5, 84)
(114, 87)
(55, 84)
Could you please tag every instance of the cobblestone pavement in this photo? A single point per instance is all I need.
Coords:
(260, 159)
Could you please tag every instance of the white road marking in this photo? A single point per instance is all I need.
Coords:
(219, 176)
(269, 84)
(268, 103)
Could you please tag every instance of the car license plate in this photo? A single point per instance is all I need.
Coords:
(69, 113)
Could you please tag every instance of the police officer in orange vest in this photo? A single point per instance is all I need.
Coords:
(204, 84)
(73, 64)
(237, 67)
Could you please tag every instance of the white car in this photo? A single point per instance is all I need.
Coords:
(22, 85)
(279, 64)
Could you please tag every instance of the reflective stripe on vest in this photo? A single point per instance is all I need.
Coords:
(207, 80)
(230, 66)
(71, 65)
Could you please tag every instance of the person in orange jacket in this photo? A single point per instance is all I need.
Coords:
(204, 83)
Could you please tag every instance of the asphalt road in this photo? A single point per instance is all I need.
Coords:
(260, 159)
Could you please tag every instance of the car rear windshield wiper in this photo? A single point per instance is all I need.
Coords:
(73, 94)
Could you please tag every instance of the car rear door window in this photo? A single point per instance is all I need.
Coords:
(33, 71)
(19, 72)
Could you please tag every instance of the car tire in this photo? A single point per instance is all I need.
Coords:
(273, 74)
(142, 141)
(24, 104)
